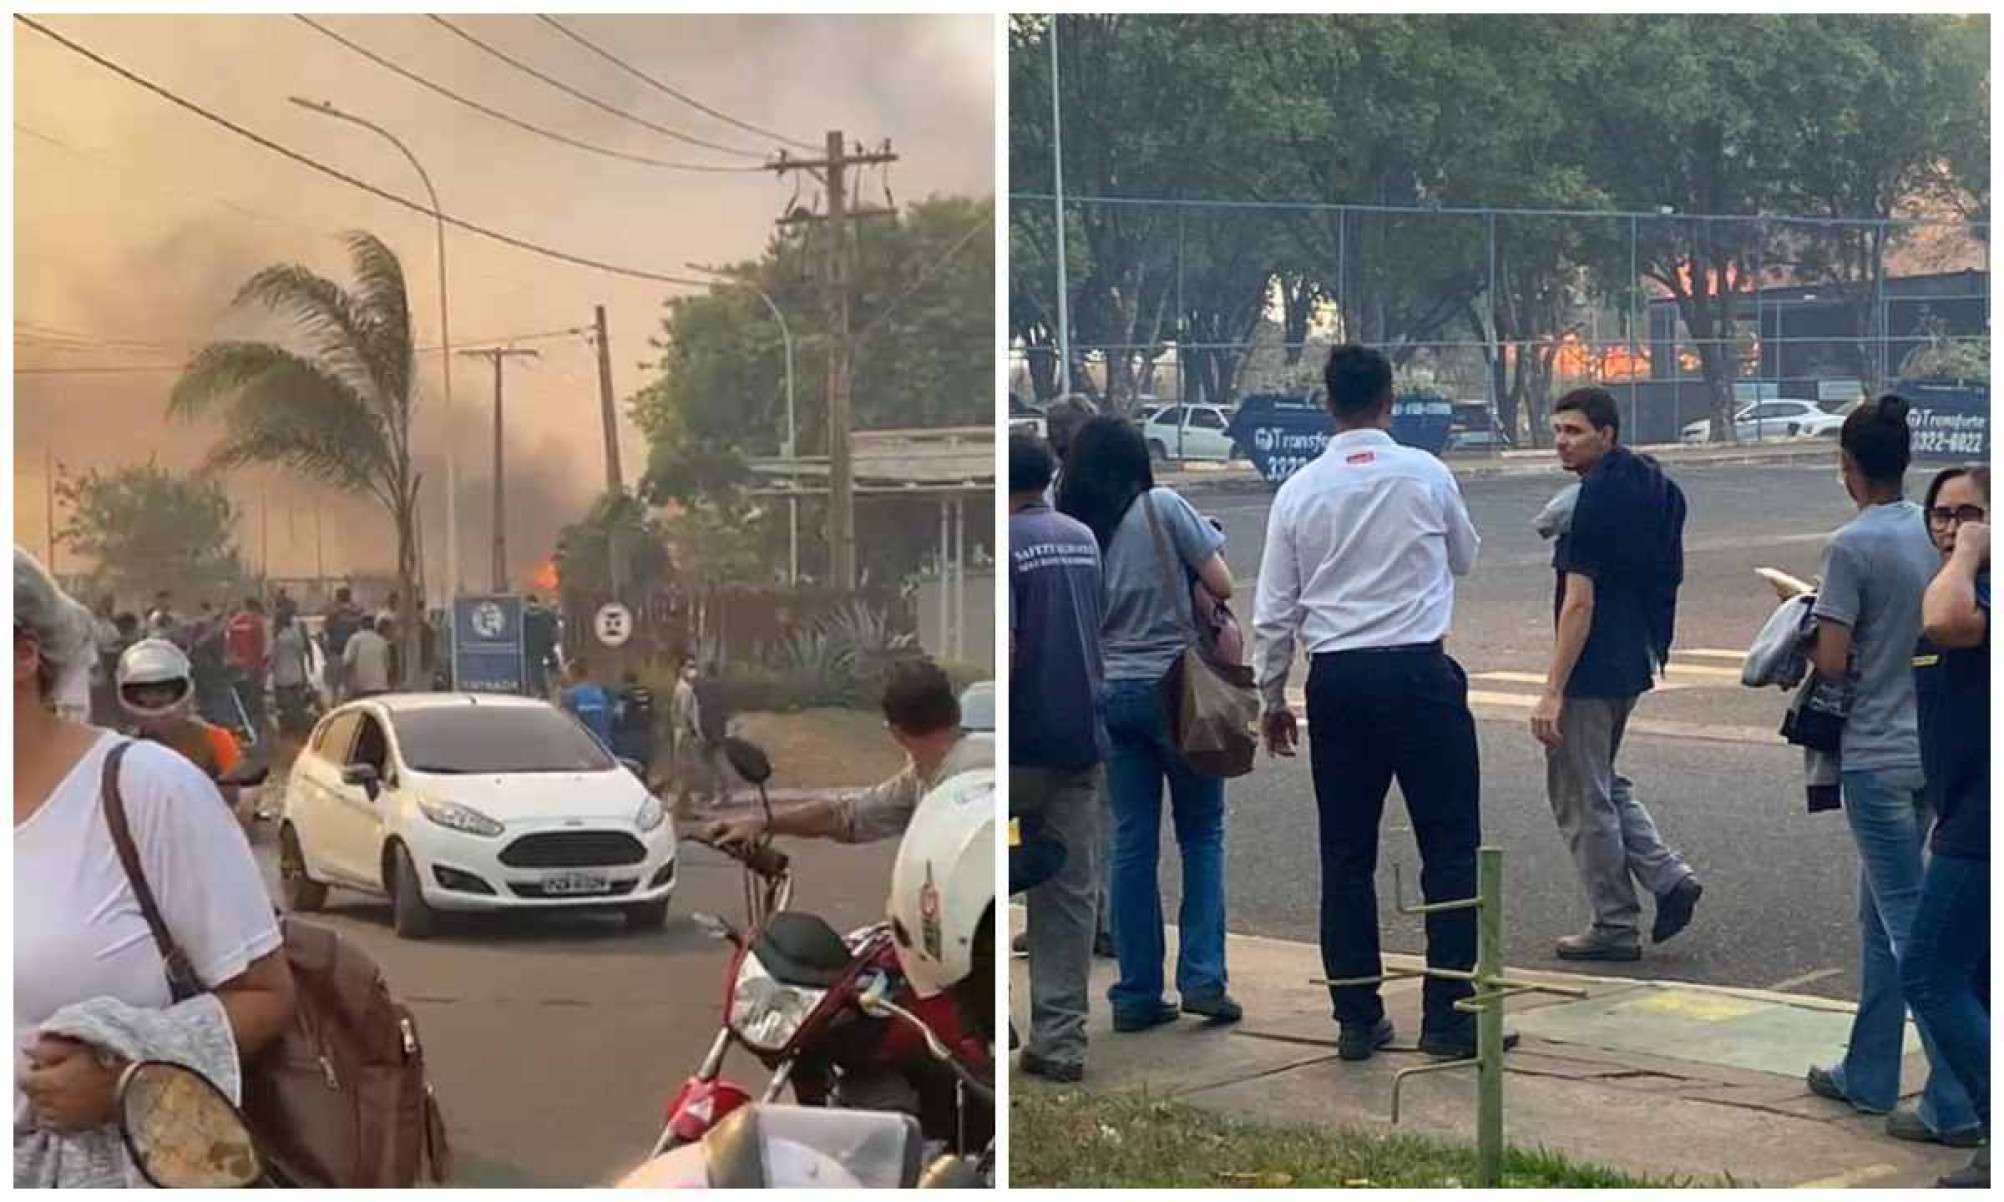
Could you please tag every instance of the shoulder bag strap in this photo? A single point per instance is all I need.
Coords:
(182, 983)
(1169, 573)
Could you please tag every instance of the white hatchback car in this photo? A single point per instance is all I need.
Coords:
(454, 801)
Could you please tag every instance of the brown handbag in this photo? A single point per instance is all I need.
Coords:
(1213, 705)
(340, 1100)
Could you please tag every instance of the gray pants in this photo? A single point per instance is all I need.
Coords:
(1061, 910)
(1611, 836)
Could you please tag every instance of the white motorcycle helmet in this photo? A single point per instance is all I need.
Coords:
(155, 662)
(943, 883)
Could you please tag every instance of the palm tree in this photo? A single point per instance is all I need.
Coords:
(331, 403)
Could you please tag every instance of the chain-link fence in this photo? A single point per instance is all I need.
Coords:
(1775, 322)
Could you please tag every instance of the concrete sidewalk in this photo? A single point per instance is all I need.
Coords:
(1651, 1077)
(1241, 476)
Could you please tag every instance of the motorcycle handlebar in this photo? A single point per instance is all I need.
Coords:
(763, 858)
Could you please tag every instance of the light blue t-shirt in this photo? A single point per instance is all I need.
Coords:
(1146, 627)
(1874, 573)
(593, 707)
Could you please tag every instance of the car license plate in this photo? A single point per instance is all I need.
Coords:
(569, 884)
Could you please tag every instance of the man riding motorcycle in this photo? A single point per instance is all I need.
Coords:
(156, 691)
(923, 717)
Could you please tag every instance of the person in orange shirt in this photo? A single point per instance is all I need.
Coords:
(156, 690)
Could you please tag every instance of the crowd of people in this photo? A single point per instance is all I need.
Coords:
(1114, 580)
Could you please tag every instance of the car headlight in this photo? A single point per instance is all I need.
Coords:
(650, 814)
(766, 1013)
(452, 815)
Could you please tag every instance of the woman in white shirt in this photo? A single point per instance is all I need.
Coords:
(79, 934)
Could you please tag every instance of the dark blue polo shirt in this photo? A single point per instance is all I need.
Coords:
(1952, 693)
(1626, 535)
(1056, 594)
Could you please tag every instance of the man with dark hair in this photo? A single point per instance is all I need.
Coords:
(923, 715)
(1056, 746)
(247, 654)
(586, 700)
(1619, 564)
(1062, 421)
(342, 622)
(1362, 548)
(633, 721)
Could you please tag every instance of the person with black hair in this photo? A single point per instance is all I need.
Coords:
(1945, 970)
(1868, 622)
(1618, 565)
(1056, 745)
(922, 714)
(1363, 545)
(1154, 548)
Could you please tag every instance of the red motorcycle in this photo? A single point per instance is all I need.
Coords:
(832, 1017)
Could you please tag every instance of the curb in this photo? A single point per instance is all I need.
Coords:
(1803, 1001)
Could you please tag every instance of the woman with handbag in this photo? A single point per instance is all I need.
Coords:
(1154, 545)
(84, 959)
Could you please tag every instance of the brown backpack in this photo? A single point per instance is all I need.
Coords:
(1212, 702)
(340, 1100)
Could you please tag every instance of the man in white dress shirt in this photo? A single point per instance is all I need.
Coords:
(1362, 547)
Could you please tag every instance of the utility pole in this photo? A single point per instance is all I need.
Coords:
(833, 171)
(498, 355)
(605, 408)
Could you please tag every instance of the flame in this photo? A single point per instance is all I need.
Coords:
(544, 578)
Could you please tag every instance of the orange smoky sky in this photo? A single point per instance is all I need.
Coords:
(135, 221)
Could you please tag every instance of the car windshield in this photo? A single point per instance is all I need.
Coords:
(479, 739)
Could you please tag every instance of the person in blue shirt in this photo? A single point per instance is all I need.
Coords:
(588, 701)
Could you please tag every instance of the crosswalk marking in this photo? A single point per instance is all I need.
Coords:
(1538, 678)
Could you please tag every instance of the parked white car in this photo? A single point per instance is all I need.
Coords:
(1189, 432)
(453, 801)
(1771, 420)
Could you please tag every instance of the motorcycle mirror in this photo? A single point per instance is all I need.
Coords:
(184, 1132)
(748, 760)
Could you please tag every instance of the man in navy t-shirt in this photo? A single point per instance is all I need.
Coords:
(1619, 565)
(588, 701)
(1056, 745)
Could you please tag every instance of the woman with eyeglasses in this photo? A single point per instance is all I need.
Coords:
(1868, 620)
(1946, 962)
(79, 934)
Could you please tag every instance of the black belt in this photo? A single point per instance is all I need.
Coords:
(1435, 647)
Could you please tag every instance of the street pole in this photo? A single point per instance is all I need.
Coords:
(607, 414)
(1058, 176)
(498, 355)
(792, 437)
(833, 171)
(452, 575)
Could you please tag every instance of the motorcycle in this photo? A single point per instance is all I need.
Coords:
(764, 1146)
(832, 1017)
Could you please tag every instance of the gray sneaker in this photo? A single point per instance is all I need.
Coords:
(1905, 1123)
(1595, 946)
(1974, 1175)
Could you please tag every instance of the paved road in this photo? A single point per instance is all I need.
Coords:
(553, 1041)
(1779, 882)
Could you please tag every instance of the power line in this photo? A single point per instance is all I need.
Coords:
(637, 73)
(322, 168)
(594, 101)
(498, 115)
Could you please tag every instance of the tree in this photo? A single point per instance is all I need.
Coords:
(922, 321)
(615, 551)
(334, 403)
(148, 529)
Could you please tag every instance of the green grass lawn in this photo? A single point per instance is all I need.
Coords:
(1070, 1138)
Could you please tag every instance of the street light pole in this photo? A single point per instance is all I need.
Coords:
(327, 109)
(786, 341)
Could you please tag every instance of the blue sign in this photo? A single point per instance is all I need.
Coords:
(1949, 421)
(488, 652)
(1281, 433)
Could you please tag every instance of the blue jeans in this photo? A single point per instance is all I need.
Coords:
(1138, 726)
(1888, 814)
(1948, 948)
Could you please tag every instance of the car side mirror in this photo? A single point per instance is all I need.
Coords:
(365, 777)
